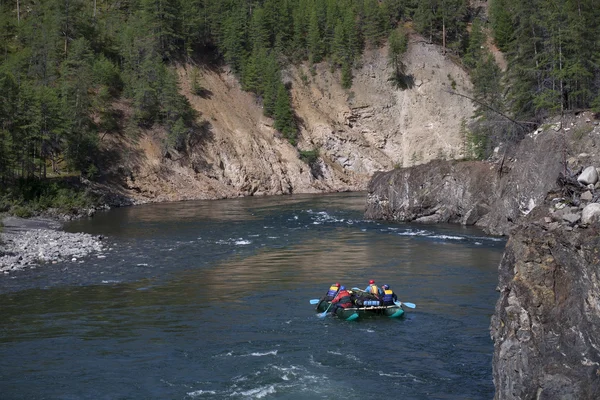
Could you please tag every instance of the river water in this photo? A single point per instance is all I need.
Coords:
(210, 300)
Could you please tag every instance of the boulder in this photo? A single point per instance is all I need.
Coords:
(590, 213)
(589, 176)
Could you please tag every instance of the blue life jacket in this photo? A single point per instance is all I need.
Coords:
(388, 297)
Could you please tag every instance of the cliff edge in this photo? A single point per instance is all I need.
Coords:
(544, 194)
(355, 132)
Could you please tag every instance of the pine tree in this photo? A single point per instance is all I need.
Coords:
(502, 26)
(315, 39)
(374, 22)
(476, 42)
(161, 23)
(271, 80)
(284, 118)
(234, 38)
(398, 44)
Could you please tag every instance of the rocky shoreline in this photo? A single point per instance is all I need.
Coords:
(30, 242)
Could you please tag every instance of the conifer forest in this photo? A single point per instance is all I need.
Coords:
(64, 64)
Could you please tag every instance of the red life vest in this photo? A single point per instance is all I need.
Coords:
(343, 297)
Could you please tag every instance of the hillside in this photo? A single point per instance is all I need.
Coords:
(356, 132)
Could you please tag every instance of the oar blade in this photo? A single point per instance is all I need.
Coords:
(352, 317)
(409, 305)
(314, 301)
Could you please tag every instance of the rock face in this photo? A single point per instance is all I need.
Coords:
(546, 327)
(546, 196)
(356, 132)
(492, 195)
(441, 191)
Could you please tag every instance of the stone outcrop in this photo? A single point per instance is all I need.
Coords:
(441, 191)
(492, 195)
(546, 327)
(545, 194)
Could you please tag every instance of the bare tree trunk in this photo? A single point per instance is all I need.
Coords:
(18, 13)
(444, 35)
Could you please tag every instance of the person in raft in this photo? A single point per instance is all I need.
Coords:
(343, 299)
(335, 287)
(373, 289)
(389, 297)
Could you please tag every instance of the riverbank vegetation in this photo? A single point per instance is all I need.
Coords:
(66, 64)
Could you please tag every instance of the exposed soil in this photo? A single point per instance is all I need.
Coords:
(237, 152)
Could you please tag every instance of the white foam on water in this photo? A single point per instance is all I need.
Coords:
(414, 233)
(242, 242)
(287, 372)
(258, 392)
(337, 353)
(110, 281)
(240, 378)
(197, 393)
(352, 357)
(491, 239)
(142, 265)
(314, 362)
(395, 374)
(446, 237)
(258, 354)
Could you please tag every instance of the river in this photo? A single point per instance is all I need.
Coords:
(210, 300)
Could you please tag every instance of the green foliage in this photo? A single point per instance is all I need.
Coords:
(552, 54)
(284, 117)
(501, 23)
(28, 197)
(476, 142)
(195, 84)
(65, 63)
(442, 21)
(309, 156)
(475, 49)
(346, 75)
(374, 22)
(398, 44)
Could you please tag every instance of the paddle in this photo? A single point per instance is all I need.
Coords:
(409, 305)
(314, 301)
(322, 315)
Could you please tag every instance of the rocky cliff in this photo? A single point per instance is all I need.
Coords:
(547, 320)
(356, 132)
(546, 327)
(493, 195)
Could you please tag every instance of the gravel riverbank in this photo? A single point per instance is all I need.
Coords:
(30, 242)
